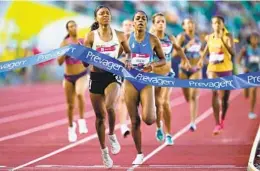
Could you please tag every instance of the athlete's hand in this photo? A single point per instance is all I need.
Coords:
(148, 68)
(128, 64)
(186, 64)
(200, 64)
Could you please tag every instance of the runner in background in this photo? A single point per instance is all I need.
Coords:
(190, 42)
(251, 56)
(162, 94)
(75, 83)
(127, 26)
(220, 49)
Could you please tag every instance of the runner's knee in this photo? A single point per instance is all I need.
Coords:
(149, 116)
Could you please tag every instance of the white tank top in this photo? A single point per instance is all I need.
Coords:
(110, 48)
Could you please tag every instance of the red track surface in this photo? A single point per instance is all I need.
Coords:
(32, 130)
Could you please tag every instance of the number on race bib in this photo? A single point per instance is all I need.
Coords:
(140, 59)
(214, 57)
(254, 59)
(194, 48)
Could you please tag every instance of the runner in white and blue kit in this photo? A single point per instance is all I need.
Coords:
(162, 94)
(104, 87)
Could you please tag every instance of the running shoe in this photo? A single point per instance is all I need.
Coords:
(252, 115)
(107, 161)
(169, 140)
(115, 146)
(72, 136)
(193, 127)
(82, 126)
(139, 159)
(125, 131)
(159, 134)
(217, 129)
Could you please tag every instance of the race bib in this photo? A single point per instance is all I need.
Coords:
(194, 48)
(108, 50)
(254, 59)
(140, 59)
(214, 57)
(167, 47)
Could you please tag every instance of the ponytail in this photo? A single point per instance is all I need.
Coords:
(94, 26)
(66, 36)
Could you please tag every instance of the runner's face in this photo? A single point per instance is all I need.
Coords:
(217, 24)
(160, 23)
(253, 40)
(72, 28)
(103, 16)
(140, 21)
(189, 25)
(127, 26)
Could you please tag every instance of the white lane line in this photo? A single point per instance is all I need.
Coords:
(88, 114)
(146, 166)
(34, 113)
(75, 166)
(38, 112)
(31, 102)
(197, 166)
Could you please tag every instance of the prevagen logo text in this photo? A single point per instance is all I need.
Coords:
(253, 79)
(53, 54)
(213, 85)
(154, 80)
(12, 65)
(107, 64)
(6, 66)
